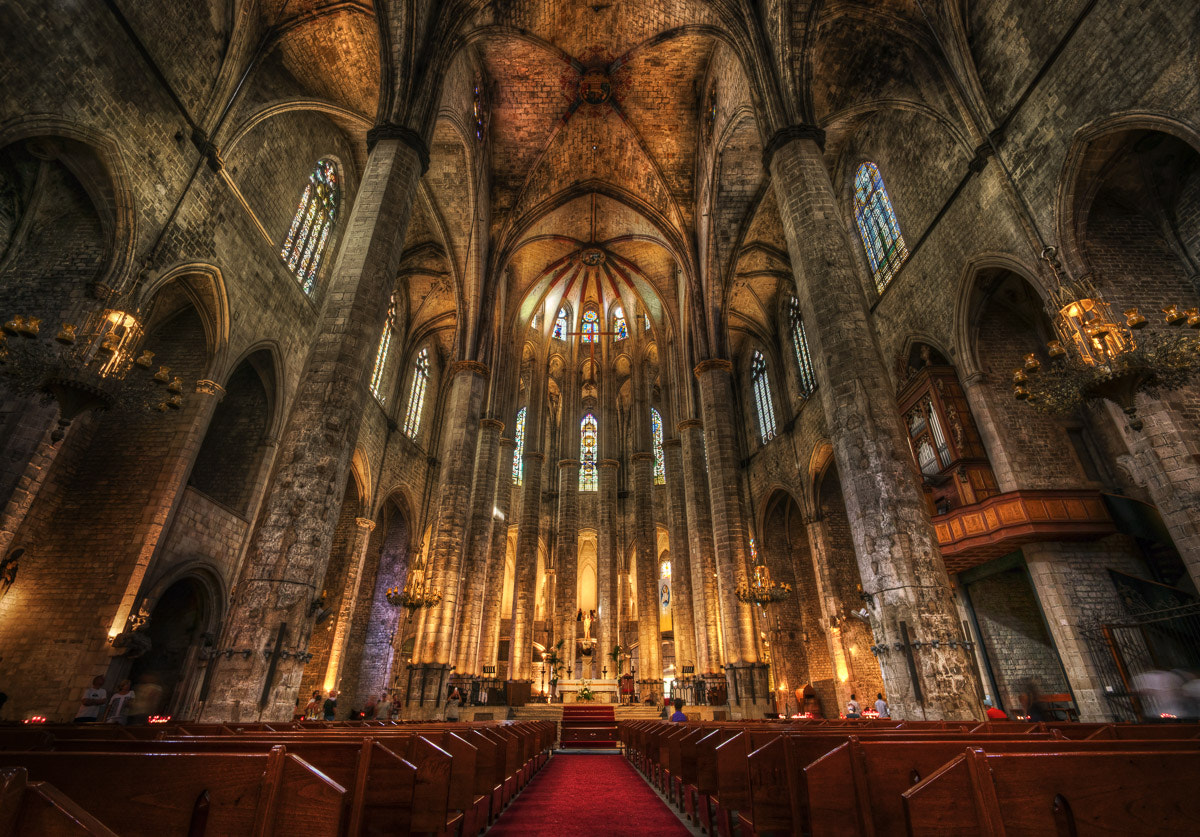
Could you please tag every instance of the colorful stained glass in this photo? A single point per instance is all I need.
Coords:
(620, 329)
(305, 243)
(656, 434)
(589, 441)
(591, 327)
(753, 550)
(518, 469)
(381, 354)
(808, 378)
(763, 404)
(560, 325)
(416, 397)
(877, 225)
(477, 107)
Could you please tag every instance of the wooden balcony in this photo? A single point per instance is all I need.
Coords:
(973, 534)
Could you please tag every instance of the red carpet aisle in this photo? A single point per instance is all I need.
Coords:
(573, 796)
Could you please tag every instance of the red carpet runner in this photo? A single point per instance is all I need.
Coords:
(574, 796)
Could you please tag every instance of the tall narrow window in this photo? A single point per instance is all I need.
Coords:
(762, 397)
(877, 225)
(591, 327)
(589, 433)
(416, 397)
(560, 325)
(305, 242)
(660, 471)
(519, 451)
(381, 354)
(808, 380)
(620, 329)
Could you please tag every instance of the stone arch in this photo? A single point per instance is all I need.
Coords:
(967, 308)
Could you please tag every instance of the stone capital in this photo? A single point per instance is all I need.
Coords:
(207, 387)
(491, 422)
(608, 463)
(506, 442)
(406, 135)
(672, 443)
(568, 463)
(474, 366)
(789, 134)
(642, 455)
(687, 424)
(365, 523)
(712, 364)
(537, 457)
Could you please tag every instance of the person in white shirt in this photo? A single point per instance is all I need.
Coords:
(881, 706)
(93, 699)
(853, 708)
(118, 704)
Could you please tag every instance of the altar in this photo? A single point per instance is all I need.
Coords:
(605, 691)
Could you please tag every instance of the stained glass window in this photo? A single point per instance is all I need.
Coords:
(660, 471)
(381, 354)
(589, 440)
(808, 379)
(416, 398)
(762, 397)
(305, 242)
(620, 329)
(877, 225)
(645, 322)
(560, 325)
(753, 550)
(591, 327)
(519, 450)
(478, 111)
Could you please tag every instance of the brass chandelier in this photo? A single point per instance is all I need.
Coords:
(85, 367)
(762, 589)
(415, 595)
(1097, 357)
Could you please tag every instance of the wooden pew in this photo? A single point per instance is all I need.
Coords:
(1128, 793)
(193, 793)
(42, 809)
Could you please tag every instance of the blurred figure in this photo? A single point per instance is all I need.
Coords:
(118, 705)
(1191, 694)
(853, 707)
(146, 700)
(329, 708)
(371, 708)
(881, 706)
(383, 709)
(1031, 703)
(994, 714)
(453, 704)
(313, 708)
(93, 700)
(1161, 694)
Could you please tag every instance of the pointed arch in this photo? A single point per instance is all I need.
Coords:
(804, 364)
(764, 406)
(416, 397)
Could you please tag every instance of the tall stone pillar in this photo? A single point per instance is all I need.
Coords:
(700, 547)
(682, 595)
(290, 549)
(493, 591)
(976, 390)
(566, 560)
(341, 633)
(898, 556)
(525, 595)
(476, 558)
(606, 566)
(649, 636)
(830, 606)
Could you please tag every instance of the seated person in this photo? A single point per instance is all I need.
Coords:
(678, 715)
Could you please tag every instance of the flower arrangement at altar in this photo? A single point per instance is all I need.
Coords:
(584, 693)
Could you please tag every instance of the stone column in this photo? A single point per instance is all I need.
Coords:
(524, 597)
(566, 559)
(700, 547)
(978, 398)
(476, 558)
(730, 537)
(493, 592)
(27, 488)
(830, 605)
(682, 596)
(606, 565)
(464, 404)
(649, 636)
(341, 633)
(897, 550)
(290, 549)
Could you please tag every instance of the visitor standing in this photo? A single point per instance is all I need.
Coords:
(330, 707)
(881, 706)
(118, 704)
(383, 709)
(452, 705)
(312, 709)
(853, 707)
(371, 708)
(93, 699)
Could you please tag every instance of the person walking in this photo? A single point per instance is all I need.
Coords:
(881, 706)
(330, 707)
(452, 705)
(94, 699)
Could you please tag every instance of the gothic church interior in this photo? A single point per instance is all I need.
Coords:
(759, 353)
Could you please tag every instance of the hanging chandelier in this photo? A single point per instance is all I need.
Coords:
(85, 367)
(762, 589)
(1098, 357)
(415, 595)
